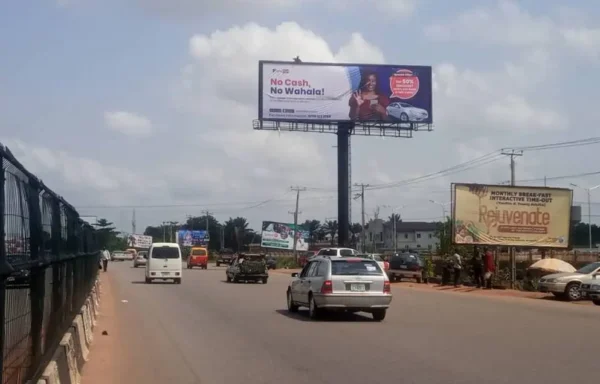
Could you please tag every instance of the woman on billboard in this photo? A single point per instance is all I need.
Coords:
(367, 103)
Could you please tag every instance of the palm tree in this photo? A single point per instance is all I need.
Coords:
(235, 231)
(394, 217)
(331, 228)
(312, 226)
(355, 230)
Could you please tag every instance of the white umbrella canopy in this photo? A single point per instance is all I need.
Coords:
(552, 265)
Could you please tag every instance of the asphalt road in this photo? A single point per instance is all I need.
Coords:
(208, 331)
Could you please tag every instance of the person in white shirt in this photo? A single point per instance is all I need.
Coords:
(105, 256)
(457, 268)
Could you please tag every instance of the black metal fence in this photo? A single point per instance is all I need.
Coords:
(48, 266)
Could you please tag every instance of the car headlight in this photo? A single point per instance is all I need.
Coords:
(551, 280)
(595, 287)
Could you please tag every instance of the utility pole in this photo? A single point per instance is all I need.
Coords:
(589, 204)
(207, 214)
(362, 213)
(513, 261)
(164, 225)
(295, 213)
(133, 223)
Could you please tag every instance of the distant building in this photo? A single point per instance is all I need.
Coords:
(409, 235)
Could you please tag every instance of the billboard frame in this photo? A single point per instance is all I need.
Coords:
(568, 246)
(362, 128)
(343, 129)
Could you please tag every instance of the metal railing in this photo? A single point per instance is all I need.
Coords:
(48, 266)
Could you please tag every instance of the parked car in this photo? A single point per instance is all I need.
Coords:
(567, 284)
(120, 256)
(225, 256)
(406, 266)
(337, 252)
(248, 267)
(378, 259)
(198, 258)
(590, 286)
(140, 259)
(271, 262)
(350, 284)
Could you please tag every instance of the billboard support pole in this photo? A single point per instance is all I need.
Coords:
(343, 137)
(513, 260)
(297, 189)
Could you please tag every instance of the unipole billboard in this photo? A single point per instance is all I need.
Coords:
(319, 92)
(281, 236)
(516, 216)
(189, 238)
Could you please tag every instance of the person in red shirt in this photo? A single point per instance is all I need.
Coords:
(489, 267)
(367, 103)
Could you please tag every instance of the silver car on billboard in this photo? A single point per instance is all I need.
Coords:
(405, 112)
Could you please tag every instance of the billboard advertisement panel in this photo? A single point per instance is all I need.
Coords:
(281, 236)
(319, 92)
(139, 241)
(187, 238)
(511, 216)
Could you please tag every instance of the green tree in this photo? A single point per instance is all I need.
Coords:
(331, 228)
(312, 226)
(237, 233)
(108, 237)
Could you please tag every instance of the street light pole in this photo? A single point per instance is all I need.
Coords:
(589, 202)
(394, 224)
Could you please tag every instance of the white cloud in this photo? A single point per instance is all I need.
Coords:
(506, 24)
(128, 123)
(584, 40)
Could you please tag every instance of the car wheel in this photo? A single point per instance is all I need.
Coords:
(218, 264)
(419, 280)
(572, 292)
(313, 311)
(264, 281)
(148, 280)
(379, 314)
(234, 279)
(178, 281)
(597, 301)
(403, 117)
(291, 306)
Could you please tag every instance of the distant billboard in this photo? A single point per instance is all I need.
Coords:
(511, 216)
(188, 238)
(281, 236)
(139, 241)
(323, 92)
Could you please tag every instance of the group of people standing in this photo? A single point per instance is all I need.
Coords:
(482, 264)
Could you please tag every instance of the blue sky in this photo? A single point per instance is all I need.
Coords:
(507, 73)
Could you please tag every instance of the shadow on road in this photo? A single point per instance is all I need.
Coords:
(154, 282)
(332, 316)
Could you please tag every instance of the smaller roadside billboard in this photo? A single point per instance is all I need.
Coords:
(511, 215)
(189, 238)
(139, 241)
(281, 236)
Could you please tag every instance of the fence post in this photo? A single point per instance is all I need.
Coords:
(38, 272)
(4, 267)
(55, 240)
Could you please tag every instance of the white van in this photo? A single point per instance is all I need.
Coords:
(164, 263)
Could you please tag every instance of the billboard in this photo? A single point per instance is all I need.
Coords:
(187, 238)
(320, 92)
(281, 236)
(511, 216)
(139, 241)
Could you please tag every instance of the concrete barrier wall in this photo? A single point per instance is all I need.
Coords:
(74, 348)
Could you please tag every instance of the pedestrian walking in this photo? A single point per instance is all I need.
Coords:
(457, 264)
(489, 267)
(105, 257)
(477, 264)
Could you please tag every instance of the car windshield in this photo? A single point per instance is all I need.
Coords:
(355, 267)
(199, 252)
(165, 253)
(588, 268)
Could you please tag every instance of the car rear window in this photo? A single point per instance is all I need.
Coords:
(328, 252)
(355, 267)
(199, 252)
(347, 252)
(165, 253)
